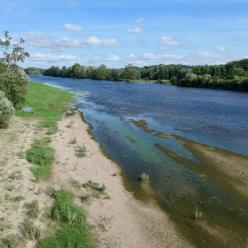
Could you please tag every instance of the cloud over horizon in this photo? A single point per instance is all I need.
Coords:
(42, 40)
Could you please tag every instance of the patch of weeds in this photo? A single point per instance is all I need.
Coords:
(42, 156)
(73, 141)
(75, 184)
(4, 224)
(80, 151)
(73, 230)
(85, 197)
(197, 213)
(29, 230)
(32, 208)
(144, 177)
(11, 241)
(15, 175)
(16, 198)
(97, 190)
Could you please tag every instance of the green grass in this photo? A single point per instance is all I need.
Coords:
(42, 157)
(73, 231)
(29, 230)
(48, 104)
(12, 241)
(32, 209)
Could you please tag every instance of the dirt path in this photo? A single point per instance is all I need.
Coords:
(117, 219)
(18, 186)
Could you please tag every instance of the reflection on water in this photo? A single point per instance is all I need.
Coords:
(147, 128)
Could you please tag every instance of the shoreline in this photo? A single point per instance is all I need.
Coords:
(118, 219)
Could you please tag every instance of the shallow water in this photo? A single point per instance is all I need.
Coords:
(198, 203)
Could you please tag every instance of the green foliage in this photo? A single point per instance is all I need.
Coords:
(96, 190)
(13, 80)
(47, 103)
(41, 155)
(14, 83)
(29, 230)
(6, 111)
(11, 241)
(73, 230)
(34, 71)
(80, 151)
(33, 209)
(232, 76)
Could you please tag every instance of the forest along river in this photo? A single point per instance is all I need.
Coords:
(193, 143)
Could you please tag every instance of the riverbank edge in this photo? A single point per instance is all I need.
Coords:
(129, 212)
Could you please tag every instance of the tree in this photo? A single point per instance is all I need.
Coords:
(13, 80)
(13, 52)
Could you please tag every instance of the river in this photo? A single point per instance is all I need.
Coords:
(151, 128)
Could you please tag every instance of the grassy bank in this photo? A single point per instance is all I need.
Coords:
(47, 104)
(70, 229)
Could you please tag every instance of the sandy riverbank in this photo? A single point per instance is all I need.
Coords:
(117, 220)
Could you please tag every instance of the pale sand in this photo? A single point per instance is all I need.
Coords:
(120, 220)
(16, 178)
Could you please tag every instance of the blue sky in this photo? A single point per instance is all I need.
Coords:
(120, 32)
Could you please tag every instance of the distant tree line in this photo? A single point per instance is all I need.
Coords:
(231, 76)
(34, 71)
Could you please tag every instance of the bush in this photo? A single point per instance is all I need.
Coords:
(6, 110)
(14, 83)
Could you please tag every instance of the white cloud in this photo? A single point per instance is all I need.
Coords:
(113, 58)
(221, 49)
(93, 40)
(41, 40)
(139, 21)
(135, 30)
(56, 59)
(73, 27)
(169, 41)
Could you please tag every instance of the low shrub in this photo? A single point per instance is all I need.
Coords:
(6, 110)
(14, 83)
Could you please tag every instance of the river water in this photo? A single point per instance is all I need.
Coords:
(144, 127)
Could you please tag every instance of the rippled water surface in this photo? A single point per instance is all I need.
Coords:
(175, 117)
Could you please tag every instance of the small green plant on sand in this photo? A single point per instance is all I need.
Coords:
(96, 189)
(75, 184)
(197, 213)
(73, 141)
(32, 209)
(80, 151)
(29, 230)
(11, 241)
(144, 177)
